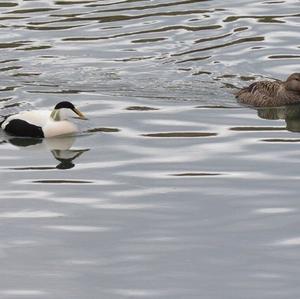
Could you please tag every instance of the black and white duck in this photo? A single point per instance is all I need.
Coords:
(44, 123)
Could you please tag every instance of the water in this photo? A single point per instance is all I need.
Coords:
(173, 190)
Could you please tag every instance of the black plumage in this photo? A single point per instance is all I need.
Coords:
(22, 128)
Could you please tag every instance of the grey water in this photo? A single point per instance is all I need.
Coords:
(173, 190)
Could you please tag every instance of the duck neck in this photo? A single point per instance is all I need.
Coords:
(289, 96)
(55, 115)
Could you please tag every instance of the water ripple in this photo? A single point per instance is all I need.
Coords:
(173, 173)
(30, 214)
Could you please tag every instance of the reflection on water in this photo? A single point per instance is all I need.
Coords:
(60, 148)
(66, 157)
(184, 193)
(290, 113)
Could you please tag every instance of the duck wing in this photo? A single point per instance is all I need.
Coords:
(262, 93)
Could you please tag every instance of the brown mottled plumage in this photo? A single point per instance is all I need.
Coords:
(271, 93)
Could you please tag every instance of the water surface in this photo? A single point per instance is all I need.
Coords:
(173, 190)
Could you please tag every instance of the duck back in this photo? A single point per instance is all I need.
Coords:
(262, 93)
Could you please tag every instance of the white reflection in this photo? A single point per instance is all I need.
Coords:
(289, 242)
(60, 147)
(78, 228)
(274, 210)
(23, 292)
(117, 206)
(139, 292)
(30, 214)
(24, 194)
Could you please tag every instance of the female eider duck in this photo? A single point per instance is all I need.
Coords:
(43, 123)
(271, 93)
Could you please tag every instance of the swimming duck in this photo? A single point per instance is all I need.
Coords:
(43, 123)
(271, 93)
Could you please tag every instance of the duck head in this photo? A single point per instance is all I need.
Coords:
(293, 82)
(64, 110)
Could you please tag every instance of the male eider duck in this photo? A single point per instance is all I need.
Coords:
(43, 123)
(271, 93)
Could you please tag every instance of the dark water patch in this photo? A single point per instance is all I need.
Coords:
(35, 48)
(284, 56)
(52, 28)
(8, 88)
(148, 6)
(70, 2)
(40, 84)
(5, 99)
(273, 2)
(31, 10)
(216, 107)
(148, 40)
(240, 29)
(15, 44)
(281, 140)
(48, 56)
(196, 59)
(81, 39)
(144, 16)
(213, 38)
(256, 129)
(65, 15)
(56, 182)
(229, 85)
(103, 130)
(39, 168)
(12, 18)
(115, 3)
(195, 174)
(232, 43)
(247, 78)
(257, 48)
(117, 18)
(26, 74)
(10, 68)
(180, 134)
(260, 19)
(141, 108)
(185, 69)
(18, 104)
(134, 59)
(64, 91)
(8, 4)
(9, 60)
(157, 30)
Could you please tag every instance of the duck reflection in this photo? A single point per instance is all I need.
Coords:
(66, 157)
(60, 148)
(290, 113)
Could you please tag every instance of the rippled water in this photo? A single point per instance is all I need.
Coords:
(173, 190)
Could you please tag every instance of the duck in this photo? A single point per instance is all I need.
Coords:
(43, 123)
(271, 93)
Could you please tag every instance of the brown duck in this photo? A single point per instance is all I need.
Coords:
(271, 93)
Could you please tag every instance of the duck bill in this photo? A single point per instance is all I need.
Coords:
(80, 114)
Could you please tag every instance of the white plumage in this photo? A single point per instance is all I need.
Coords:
(43, 123)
